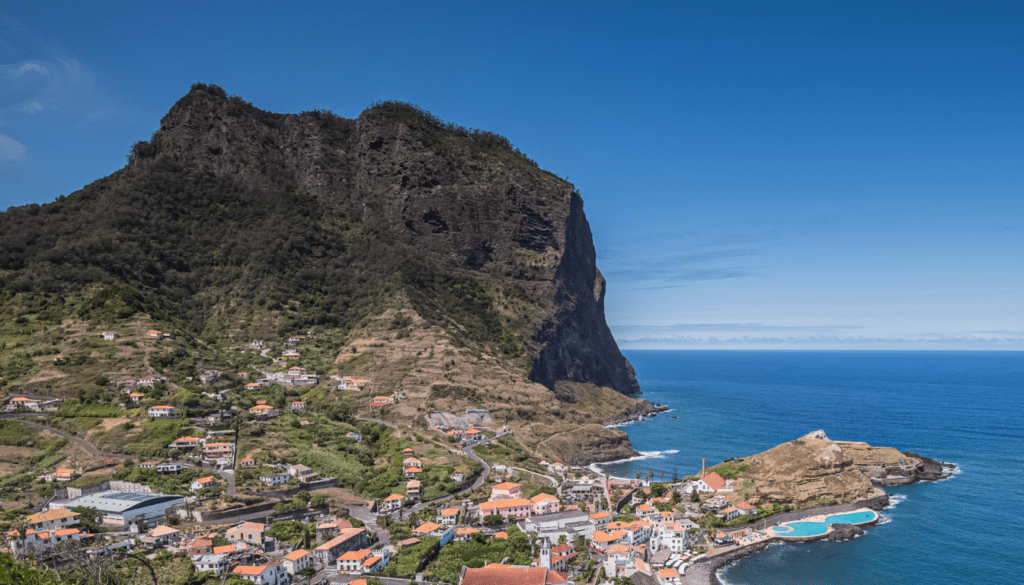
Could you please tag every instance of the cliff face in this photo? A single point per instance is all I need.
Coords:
(465, 200)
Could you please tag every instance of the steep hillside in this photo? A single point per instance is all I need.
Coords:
(232, 224)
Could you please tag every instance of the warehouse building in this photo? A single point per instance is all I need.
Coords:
(122, 508)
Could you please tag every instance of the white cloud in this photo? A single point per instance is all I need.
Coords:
(11, 148)
(32, 67)
(63, 85)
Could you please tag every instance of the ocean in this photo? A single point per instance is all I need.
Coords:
(962, 407)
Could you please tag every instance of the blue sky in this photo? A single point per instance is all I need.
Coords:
(757, 175)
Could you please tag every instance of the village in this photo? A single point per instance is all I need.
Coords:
(267, 475)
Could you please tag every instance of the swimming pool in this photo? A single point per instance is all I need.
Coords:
(809, 529)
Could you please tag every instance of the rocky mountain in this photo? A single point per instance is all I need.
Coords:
(232, 223)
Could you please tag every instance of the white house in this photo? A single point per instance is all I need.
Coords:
(392, 502)
(169, 468)
(272, 574)
(203, 483)
(274, 478)
(109, 335)
(297, 560)
(162, 411)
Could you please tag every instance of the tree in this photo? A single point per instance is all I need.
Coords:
(638, 474)
(658, 489)
(87, 517)
(694, 496)
(309, 573)
(317, 500)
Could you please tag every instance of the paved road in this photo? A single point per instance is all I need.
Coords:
(77, 441)
(229, 475)
(485, 470)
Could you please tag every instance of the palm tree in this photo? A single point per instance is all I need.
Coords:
(308, 536)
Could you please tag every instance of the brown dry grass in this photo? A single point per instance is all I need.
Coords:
(342, 497)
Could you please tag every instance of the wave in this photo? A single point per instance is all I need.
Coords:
(645, 455)
(883, 519)
(894, 500)
(956, 471)
(596, 467)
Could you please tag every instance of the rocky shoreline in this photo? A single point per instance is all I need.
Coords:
(641, 411)
(927, 469)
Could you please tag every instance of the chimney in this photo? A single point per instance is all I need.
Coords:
(702, 468)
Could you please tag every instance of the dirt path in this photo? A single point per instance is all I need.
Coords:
(88, 448)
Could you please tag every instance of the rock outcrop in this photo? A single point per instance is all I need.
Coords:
(589, 444)
(843, 532)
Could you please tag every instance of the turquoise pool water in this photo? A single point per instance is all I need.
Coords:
(851, 518)
(807, 529)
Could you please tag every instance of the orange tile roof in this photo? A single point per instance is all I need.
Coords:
(394, 497)
(371, 561)
(252, 526)
(54, 514)
(67, 532)
(426, 528)
(163, 530)
(450, 511)
(355, 555)
(413, 483)
(498, 574)
(249, 570)
(470, 530)
(223, 550)
(512, 503)
(296, 555)
(506, 485)
(600, 515)
(714, 481)
(501, 535)
(345, 535)
(744, 506)
(602, 536)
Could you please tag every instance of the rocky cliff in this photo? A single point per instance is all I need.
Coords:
(464, 199)
(439, 261)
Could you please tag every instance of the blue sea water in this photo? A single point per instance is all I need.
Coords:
(962, 407)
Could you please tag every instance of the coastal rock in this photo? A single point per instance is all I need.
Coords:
(887, 466)
(841, 532)
(589, 444)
